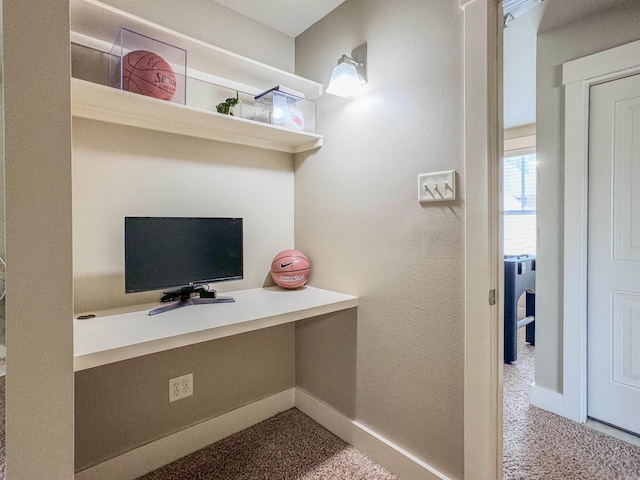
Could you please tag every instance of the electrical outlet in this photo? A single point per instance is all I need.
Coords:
(437, 187)
(180, 387)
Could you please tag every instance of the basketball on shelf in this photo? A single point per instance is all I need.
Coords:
(148, 74)
(290, 269)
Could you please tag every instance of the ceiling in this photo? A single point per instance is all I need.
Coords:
(519, 80)
(562, 12)
(520, 51)
(291, 17)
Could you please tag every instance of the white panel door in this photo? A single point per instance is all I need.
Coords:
(613, 347)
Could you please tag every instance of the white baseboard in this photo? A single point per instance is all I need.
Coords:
(548, 400)
(398, 461)
(147, 458)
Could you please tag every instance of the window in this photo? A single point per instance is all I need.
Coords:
(519, 183)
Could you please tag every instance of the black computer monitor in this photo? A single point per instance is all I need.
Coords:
(181, 253)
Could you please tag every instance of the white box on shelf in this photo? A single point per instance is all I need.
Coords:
(278, 106)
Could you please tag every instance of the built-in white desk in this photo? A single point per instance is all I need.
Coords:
(117, 335)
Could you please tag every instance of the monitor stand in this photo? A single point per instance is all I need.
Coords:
(183, 297)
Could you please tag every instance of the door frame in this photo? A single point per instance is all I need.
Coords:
(483, 241)
(577, 78)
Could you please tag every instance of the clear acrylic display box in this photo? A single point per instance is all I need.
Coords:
(284, 109)
(154, 68)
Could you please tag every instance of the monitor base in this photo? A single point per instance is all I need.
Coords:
(189, 302)
(184, 299)
(185, 293)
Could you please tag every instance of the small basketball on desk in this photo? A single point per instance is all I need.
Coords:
(148, 74)
(290, 269)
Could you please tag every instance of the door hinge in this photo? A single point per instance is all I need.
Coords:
(492, 297)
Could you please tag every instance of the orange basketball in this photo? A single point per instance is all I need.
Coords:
(290, 269)
(148, 74)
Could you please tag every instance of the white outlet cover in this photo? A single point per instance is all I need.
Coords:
(180, 387)
(437, 187)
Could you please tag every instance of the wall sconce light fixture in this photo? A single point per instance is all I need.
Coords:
(349, 74)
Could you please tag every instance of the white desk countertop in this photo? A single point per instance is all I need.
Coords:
(112, 337)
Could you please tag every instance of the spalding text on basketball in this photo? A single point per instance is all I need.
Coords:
(160, 78)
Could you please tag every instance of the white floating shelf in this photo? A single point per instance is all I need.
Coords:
(113, 336)
(96, 24)
(98, 102)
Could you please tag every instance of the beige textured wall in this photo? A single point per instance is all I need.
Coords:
(120, 171)
(124, 405)
(397, 366)
(593, 34)
(39, 388)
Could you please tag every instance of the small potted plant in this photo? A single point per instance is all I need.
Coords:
(226, 107)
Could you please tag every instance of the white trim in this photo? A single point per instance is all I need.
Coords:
(578, 76)
(520, 132)
(147, 458)
(575, 251)
(388, 455)
(520, 143)
(154, 455)
(590, 68)
(519, 152)
(546, 399)
(483, 273)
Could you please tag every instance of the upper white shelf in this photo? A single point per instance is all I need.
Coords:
(96, 24)
(97, 102)
(114, 336)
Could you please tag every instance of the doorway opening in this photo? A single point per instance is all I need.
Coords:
(561, 195)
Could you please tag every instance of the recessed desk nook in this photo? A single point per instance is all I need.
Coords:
(140, 159)
(116, 335)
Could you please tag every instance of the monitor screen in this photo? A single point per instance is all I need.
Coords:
(163, 252)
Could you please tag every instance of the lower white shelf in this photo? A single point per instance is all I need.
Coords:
(106, 104)
(112, 337)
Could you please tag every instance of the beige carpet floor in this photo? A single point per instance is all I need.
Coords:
(544, 446)
(538, 445)
(289, 446)
(285, 447)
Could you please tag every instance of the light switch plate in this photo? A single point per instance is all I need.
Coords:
(437, 187)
